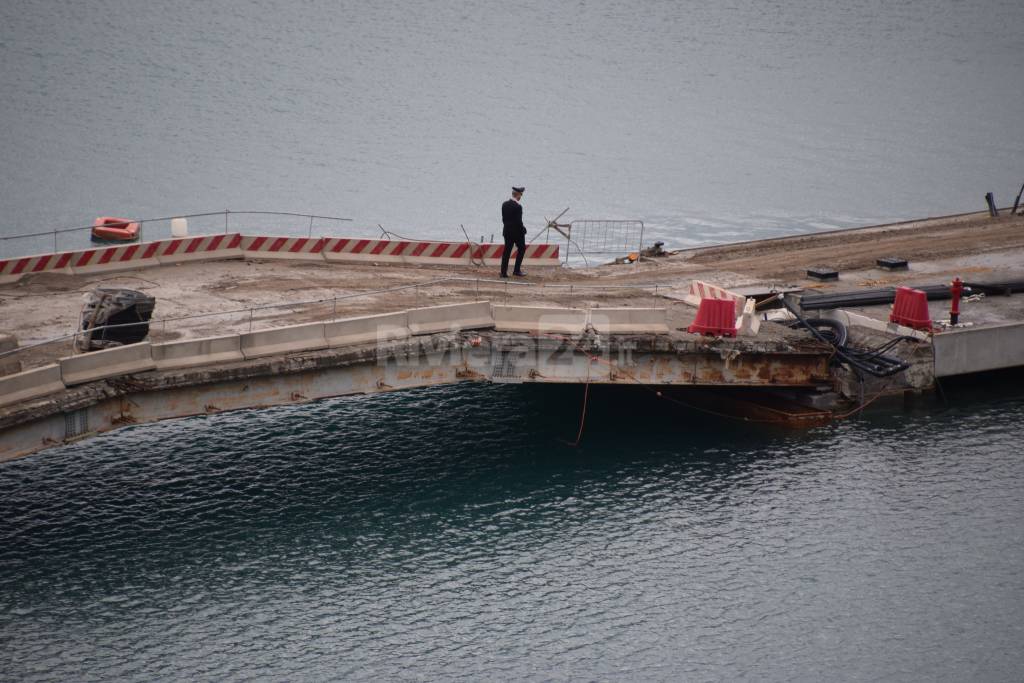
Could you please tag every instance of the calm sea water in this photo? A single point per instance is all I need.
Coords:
(711, 122)
(452, 533)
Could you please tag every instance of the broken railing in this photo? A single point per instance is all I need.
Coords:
(589, 239)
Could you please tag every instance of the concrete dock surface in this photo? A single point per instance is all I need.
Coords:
(222, 293)
(236, 334)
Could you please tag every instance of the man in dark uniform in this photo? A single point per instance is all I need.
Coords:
(513, 231)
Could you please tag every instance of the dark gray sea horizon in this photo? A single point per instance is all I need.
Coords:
(452, 533)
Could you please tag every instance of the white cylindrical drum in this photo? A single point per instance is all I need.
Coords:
(179, 227)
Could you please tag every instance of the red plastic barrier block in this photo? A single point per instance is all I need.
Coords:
(715, 316)
(911, 309)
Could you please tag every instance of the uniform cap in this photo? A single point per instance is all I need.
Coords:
(520, 190)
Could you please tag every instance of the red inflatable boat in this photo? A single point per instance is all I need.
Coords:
(109, 229)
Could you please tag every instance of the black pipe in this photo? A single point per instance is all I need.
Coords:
(992, 210)
(887, 295)
(871, 361)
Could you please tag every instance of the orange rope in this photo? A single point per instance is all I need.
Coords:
(583, 415)
(683, 403)
(645, 386)
(862, 406)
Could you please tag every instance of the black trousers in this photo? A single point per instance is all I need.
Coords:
(518, 241)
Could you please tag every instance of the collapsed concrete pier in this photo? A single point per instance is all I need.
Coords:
(257, 332)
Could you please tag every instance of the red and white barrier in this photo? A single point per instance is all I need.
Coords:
(126, 257)
(536, 255)
(106, 259)
(291, 248)
(703, 290)
(235, 245)
(747, 321)
(357, 250)
(430, 253)
(204, 248)
(13, 269)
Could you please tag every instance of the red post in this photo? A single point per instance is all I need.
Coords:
(956, 288)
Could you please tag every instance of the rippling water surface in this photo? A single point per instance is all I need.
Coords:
(710, 121)
(451, 533)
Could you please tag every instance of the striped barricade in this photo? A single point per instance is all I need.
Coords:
(106, 259)
(703, 290)
(747, 321)
(130, 256)
(430, 253)
(358, 250)
(13, 269)
(536, 255)
(289, 248)
(235, 245)
(204, 248)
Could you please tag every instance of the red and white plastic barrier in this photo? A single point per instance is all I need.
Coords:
(291, 248)
(747, 322)
(703, 290)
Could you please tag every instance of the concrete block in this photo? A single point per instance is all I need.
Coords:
(629, 320)
(451, 318)
(539, 319)
(120, 360)
(367, 329)
(10, 364)
(193, 352)
(749, 323)
(978, 349)
(30, 384)
(290, 339)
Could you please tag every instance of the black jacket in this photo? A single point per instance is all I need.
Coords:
(512, 218)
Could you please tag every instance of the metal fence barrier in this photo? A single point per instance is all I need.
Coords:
(587, 238)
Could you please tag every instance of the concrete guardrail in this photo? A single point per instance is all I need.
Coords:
(194, 352)
(270, 342)
(629, 320)
(120, 360)
(126, 360)
(366, 329)
(474, 315)
(30, 384)
(540, 319)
